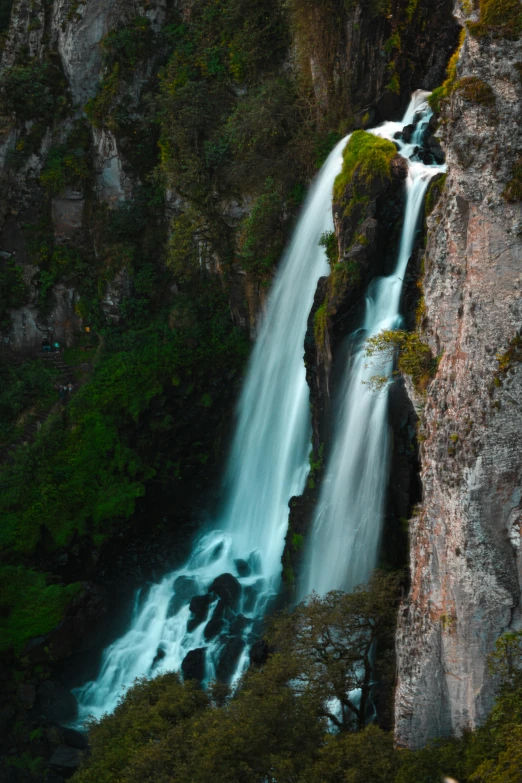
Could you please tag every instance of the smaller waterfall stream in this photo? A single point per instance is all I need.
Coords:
(344, 544)
(189, 620)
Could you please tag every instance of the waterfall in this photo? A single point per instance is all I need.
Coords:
(180, 622)
(346, 531)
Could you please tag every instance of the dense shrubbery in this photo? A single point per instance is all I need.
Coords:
(29, 607)
(34, 91)
(68, 164)
(274, 727)
(21, 387)
(12, 289)
(83, 474)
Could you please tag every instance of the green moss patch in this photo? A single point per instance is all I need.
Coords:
(366, 155)
(29, 607)
(513, 190)
(475, 90)
(498, 18)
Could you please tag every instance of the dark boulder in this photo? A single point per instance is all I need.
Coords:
(227, 588)
(242, 567)
(238, 625)
(160, 654)
(186, 587)
(75, 739)
(259, 652)
(228, 659)
(55, 702)
(199, 605)
(193, 666)
(65, 760)
(250, 598)
(175, 604)
(216, 623)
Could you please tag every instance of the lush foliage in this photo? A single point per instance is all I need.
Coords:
(12, 289)
(366, 155)
(22, 387)
(413, 355)
(28, 606)
(84, 471)
(260, 240)
(34, 91)
(274, 728)
(68, 163)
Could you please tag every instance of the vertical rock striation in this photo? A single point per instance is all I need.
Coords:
(466, 561)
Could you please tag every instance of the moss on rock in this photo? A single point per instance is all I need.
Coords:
(369, 156)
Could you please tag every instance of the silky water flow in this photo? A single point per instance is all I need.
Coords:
(180, 623)
(268, 464)
(344, 544)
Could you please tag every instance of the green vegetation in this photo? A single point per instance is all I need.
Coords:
(498, 18)
(434, 192)
(123, 50)
(329, 241)
(12, 289)
(442, 93)
(83, 474)
(513, 190)
(414, 357)
(28, 606)
(476, 91)
(366, 155)
(260, 241)
(34, 91)
(505, 360)
(68, 164)
(274, 726)
(23, 387)
(316, 461)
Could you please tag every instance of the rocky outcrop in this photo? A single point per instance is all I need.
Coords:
(365, 59)
(466, 559)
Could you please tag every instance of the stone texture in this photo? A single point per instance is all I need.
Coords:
(465, 542)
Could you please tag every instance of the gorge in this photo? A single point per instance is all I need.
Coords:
(197, 194)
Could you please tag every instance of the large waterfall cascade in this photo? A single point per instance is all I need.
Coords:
(204, 617)
(268, 464)
(344, 544)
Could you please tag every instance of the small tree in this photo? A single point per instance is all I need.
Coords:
(332, 642)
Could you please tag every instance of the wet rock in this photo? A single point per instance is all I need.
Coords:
(216, 622)
(407, 133)
(199, 605)
(259, 652)
(27, 695)
(186, 587)
(175, 604)
(238, 625)
(74, 739)
(55, 702)
(65, 760)
(249, 598)
(227, 588)
(193, 666)
(242, 567)
(229, 659)
(160, 654)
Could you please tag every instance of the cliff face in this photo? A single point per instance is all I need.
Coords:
(466, 559)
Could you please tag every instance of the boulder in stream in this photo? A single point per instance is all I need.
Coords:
(228, 588)
(193, 666)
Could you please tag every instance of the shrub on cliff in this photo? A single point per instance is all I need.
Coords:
(413, 355)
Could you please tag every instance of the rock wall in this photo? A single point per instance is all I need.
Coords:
(466, 560)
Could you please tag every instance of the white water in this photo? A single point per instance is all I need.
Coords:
(267, 466)
(343, 548)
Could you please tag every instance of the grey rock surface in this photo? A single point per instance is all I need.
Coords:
(465, 542)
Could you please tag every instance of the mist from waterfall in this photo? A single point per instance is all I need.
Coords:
(343, 547)
(268, 464)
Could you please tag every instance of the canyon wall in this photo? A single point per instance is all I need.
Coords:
(466, 557)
